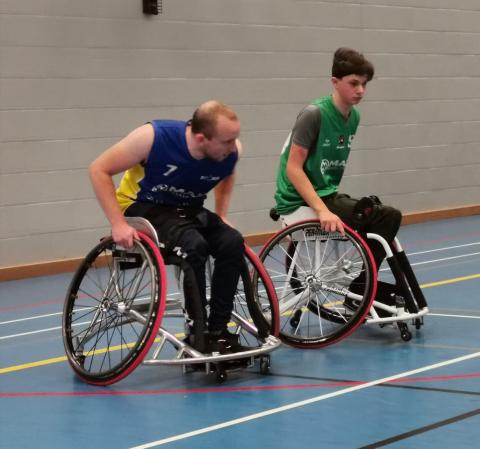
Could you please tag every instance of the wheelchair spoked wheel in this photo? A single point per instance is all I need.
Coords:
(256, 291)
(325, 282)
(248, 318)
(113, 309)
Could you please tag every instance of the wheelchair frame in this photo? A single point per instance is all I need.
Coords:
(313, 289)
(415, 305)
(143, 317)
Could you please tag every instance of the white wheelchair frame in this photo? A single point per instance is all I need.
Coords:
(411, 307)
(399, 314)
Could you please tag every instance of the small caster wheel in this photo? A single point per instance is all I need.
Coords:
(295, 320)
(404, 332)
(406, 335)
(418, 323)
(80, 358)
(265, 365)
(221, 376)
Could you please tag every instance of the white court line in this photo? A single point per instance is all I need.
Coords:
(445, 258)
(175, 293)
(443, 249)
(6, 337)
(35, 317)
(299, 404)
(455, 316)
(56, 328)
(436, 260)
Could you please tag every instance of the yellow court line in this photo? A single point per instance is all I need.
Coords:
(10, 369)
(451, 281)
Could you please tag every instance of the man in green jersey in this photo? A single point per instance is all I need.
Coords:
(316, 152)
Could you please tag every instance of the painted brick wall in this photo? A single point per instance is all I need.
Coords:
(77, 76)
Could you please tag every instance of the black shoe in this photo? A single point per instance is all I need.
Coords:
(199, 344)
(389, 295)
(351, 304)
(224, 342)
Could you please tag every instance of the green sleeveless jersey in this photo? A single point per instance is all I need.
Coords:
(326, 161)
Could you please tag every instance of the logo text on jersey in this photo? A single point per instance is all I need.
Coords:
(327, 164)
(179, 192)
(209, 178)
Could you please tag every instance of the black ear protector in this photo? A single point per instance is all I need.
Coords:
(274, 215)
(365, 206)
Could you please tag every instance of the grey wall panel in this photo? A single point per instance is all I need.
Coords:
(48, 155)
(256, 221)
(42, 187)
(466, 5)
(399, 159)
(421, 111)
(424, 134)
(115, 63)
(77, 76)
(58, 245)
(448, 198)
(424, 88)
(77, 93)
(45, 218)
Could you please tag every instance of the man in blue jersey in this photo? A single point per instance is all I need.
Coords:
(170, 166)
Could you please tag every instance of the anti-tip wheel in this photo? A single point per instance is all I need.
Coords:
(265, 364)
(220, 374)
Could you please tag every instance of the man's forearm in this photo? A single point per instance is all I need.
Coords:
(304, 187)
(105, 191)
(223, 193)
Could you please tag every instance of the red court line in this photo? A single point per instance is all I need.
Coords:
(31, 306)
(227, 389)
(181, 391)
(426, 379)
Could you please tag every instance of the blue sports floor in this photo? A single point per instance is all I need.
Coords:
(371, 390)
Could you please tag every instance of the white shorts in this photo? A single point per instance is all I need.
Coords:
(302, 213)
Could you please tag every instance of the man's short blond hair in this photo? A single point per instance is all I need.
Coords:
(205, 117)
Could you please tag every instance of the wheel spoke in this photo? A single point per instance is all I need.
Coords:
(313, 272)
(102, 339)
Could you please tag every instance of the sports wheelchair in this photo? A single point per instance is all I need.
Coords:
(117, 306)
(326, 284)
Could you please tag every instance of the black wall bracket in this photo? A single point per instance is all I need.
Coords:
(152, 7)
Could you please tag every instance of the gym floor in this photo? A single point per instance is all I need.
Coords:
(370, 390)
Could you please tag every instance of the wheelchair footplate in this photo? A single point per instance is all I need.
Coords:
(215, 363)
(396, 310)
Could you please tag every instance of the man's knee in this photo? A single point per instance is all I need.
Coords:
(394, 217)
(387, 222)
(231, 243)
(195, 247)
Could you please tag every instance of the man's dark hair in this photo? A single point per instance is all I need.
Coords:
(347, 61)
